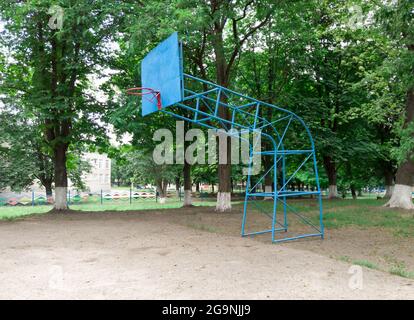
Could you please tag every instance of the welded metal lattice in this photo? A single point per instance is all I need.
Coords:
(202, 100)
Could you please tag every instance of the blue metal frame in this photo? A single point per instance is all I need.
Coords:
(245, 115)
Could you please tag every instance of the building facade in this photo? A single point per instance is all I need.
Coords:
(99, 177)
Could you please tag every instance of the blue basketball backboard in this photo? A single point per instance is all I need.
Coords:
(161, 70)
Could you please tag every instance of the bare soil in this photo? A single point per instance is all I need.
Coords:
(191, 253)
(376, 245)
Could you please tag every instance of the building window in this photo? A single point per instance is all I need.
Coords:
(107, 164)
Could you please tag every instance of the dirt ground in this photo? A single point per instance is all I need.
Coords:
(184, 254)
(376, 245)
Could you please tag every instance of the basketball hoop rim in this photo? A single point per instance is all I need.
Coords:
(143, 91)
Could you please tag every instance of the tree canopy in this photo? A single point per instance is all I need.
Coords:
(344, 66)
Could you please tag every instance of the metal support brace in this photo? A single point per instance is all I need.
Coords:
(245, 115)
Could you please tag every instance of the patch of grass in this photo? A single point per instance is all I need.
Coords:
(401, 233)
(344, 258)
(339, 213)
(402, 273)
(399, 269)
(366, 263)
(370, 213)
(362, 263)
(10, 213)
(126, 206)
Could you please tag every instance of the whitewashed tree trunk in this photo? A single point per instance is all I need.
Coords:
(162, 191)
(188, 200)
(162, 200)
(401, 197)
(60, 177)
(60, 198)
(223, 201)
(388, 192)
(333, 192)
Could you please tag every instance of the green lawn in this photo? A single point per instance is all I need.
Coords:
(367, 213)
(9, 213)
(337, 213)
(362, 212)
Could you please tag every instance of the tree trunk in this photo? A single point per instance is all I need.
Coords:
(162, 190)
(389, 181)
(224, 187)
(268, 161)
(268, 180)
(224, 170)
(353, 192)
(177, 186)
(61, 177)
(402, 195)
(188, 202)
(330, 168)
(46, 172)
(48, 186)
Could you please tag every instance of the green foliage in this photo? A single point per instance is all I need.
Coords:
(49, 70)
(26, 158)
(23, 157)
(77, 168)
(343, 66)
(406, 145)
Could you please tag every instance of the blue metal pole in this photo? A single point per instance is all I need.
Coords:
(264, 231)
(283, 190)
(321, 225)
(246, 196)
(298, 237)
(274, 194)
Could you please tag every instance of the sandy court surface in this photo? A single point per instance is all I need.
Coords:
(145, 255)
